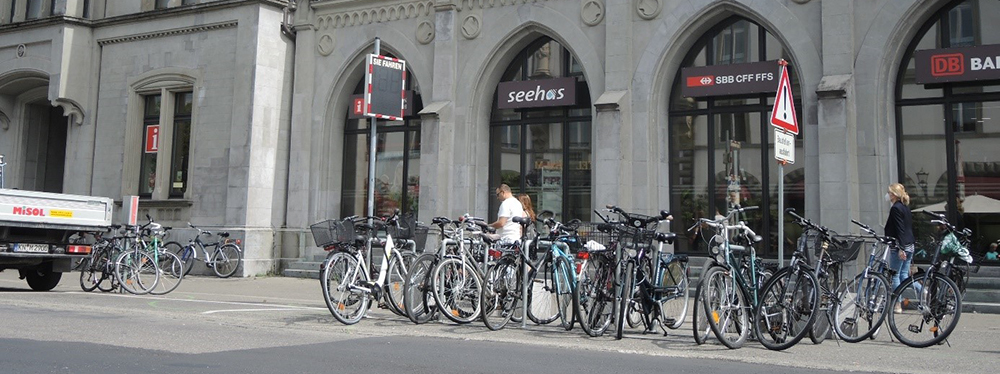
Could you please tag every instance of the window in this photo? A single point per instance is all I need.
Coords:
(544, 152)
(34, 10)
(161, 4)
(947, 133)
(721, 147)
(165, 136)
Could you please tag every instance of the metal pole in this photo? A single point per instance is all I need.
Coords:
(371, 167)
(781, 214)
(524, 285)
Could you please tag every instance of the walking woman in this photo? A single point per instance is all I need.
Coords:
(900, 227)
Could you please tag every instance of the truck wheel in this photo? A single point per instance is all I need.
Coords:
(42, 279)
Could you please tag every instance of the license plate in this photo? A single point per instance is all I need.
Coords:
(31, 248)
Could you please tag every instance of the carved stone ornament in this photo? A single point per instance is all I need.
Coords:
(20, 50)
(425, 32)
(471, 26)
(592, 12)
(648, 9)
(325, 45)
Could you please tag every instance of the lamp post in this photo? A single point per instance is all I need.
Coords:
(922, 181)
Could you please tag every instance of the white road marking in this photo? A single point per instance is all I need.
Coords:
(282, 309)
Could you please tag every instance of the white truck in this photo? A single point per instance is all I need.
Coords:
(37, 232)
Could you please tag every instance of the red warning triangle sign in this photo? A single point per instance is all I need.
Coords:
(783, 112)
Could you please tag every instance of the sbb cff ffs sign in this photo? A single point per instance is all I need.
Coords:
(958, 64)
(723, 80)
(385, 80)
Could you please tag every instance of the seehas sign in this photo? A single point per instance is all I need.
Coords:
(733, 79)
(958, 64)
(536, 93)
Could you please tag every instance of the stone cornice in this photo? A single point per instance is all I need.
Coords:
(162, 33)
(483, 4)
(379, 14)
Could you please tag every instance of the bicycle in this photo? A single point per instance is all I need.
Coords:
(931, 302)
(503, 280)
(731, 285)
(344, 282)
(862, 302)
(457, 279)
(224, 260)
(655, 286)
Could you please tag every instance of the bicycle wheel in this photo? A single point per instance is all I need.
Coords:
(625, 293)
(185, 253)
(500, 294)
(860, 308)
(594, 295)
(699, 320)
(136, 272)
(90, 274)
(726, 308)
(931, 304)
(343, 282)
(788, 307)
(543, 308)
(226, 260)
(565, 280)
(457, 289)
(395, 282)
(418, 298)
(673, 298)
(171, 270)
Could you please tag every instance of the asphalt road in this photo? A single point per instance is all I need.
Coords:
(270, 325)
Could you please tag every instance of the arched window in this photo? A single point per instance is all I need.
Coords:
(722, 147)
(544, 151)
(397, 165)
(948, 132)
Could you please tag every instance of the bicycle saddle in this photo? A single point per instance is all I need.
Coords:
(522, 220)
(224, 234)
(666, 237)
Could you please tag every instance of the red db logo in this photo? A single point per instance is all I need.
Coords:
(949, 64)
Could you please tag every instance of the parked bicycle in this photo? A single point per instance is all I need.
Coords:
(224, 258)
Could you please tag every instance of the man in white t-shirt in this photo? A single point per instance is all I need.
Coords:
(510, 207)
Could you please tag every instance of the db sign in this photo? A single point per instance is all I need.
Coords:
(152, 138)
(979, 63)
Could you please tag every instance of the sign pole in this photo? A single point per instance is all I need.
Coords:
(781, 214)
(371, 167)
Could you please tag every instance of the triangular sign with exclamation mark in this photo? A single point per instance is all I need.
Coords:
(783, 112)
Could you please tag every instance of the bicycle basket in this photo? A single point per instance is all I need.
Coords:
(332, 232)
(848, 248)
(407, 227)
(593, 239)
(420, 238)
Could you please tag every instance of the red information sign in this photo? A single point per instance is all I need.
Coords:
(152, 138)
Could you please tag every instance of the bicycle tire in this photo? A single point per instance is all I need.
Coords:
(457, 289)
(418, 298)
(564, 280)
(592, 297)
(821, 326)
(90, 275)
(860, 307)
(543, 308)
(726, 309)
(136, 272)
(395, 283)
(185, 253)
(171, 273)
(674, 303)
(625, 292)
(501, 292)
(340, 281)
(936, 299)
(226, 260)
(792, 296)
(699, 326)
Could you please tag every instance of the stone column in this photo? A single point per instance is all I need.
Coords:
(297, 210)
(616, 146)
(837, 117)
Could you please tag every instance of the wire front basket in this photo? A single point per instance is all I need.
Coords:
(332, 232)
(592, 238)
(407, 227)
(848, 248)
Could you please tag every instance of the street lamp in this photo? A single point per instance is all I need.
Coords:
(922, 180)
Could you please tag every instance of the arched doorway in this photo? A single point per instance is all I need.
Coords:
(397, 166)
(948, 121)
(34, 135)
(721, 143)
(540, 138)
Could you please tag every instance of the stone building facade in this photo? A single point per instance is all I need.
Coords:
(254, 101)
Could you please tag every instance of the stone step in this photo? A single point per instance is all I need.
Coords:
(300, 273)
(981, 295)
(986, 308)
(304, 265)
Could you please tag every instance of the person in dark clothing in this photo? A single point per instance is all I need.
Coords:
(899, 226)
